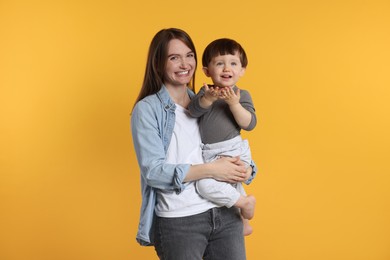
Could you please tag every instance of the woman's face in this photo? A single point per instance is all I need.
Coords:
(180, 64)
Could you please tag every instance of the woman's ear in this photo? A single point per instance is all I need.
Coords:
(206, 71)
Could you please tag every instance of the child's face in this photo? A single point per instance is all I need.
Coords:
(225, 70)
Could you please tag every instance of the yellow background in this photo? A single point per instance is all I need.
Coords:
(319, 74)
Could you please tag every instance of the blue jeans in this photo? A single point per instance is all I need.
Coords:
(212, 235)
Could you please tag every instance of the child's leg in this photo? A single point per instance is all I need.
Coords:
(221, 193)
(224, 194)
(247, 227)
(247, 206)
(245, 203)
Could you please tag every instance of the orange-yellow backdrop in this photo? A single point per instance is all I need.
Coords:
(319, 73)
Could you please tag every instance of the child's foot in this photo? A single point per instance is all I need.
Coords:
(248, 208)
(247, 227)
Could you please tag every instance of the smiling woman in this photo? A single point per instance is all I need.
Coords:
(70, 72)
(168, 148)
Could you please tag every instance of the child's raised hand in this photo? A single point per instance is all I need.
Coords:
(210, 92)
(230, 97)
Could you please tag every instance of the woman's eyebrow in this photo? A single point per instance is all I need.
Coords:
(177, 54)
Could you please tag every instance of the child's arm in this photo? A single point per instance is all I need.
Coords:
(196, 108)
(210, 95)
(242, 116)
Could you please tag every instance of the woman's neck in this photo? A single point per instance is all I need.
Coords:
(179, 95)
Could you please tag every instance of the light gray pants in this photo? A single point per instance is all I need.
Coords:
(223, 193)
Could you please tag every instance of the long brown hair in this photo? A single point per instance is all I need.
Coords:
(156, 62)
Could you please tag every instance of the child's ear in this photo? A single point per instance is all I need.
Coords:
(242, 72)
(206, 71)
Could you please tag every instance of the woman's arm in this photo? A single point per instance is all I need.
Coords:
(149, 147)
(226, 169)
(151, 157)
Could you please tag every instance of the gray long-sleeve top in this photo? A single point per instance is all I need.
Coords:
(217, 122)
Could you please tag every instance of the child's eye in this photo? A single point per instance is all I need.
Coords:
(234, 63)
(173, 58)
(219, 63)
(190, 55)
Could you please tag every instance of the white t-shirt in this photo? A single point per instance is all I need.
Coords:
(185, 147)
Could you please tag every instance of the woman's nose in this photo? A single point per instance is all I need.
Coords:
(183, 63)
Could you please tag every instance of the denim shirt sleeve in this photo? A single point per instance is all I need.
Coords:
(149, 128)
(254, 172)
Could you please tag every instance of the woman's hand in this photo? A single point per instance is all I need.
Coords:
(230, 169)
(227, 169)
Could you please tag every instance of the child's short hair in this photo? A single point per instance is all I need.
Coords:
(224, 46)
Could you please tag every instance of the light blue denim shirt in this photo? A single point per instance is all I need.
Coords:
(152, 123)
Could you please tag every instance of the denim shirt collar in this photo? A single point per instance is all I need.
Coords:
(166, 99)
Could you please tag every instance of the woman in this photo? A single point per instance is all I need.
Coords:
(174, 218)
